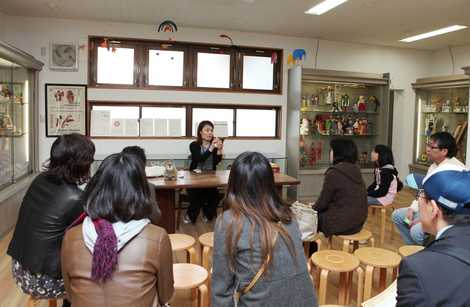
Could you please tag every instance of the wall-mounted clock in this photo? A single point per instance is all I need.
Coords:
(64, 56)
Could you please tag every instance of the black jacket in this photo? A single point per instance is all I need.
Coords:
(428, 278)
(48, 208)
(197, 157)
(383, 179)
(342, 204)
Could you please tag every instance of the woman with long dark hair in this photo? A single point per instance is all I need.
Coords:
(206, 153)
(116, 255)
(258, 235)
(342, 204)
(386, 183)
(50, 205)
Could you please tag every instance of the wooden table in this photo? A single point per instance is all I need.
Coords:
(186, 179)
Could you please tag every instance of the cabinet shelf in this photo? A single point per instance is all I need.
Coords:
(339, 113)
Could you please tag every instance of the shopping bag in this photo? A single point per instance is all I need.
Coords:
(307, 218)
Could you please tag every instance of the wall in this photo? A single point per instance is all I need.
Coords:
(405, 65)
(442, 60)
(2, 26)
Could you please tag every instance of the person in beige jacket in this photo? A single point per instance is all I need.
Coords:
(116, 257)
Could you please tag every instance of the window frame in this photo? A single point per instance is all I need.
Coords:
(189, 118)
(141, 64)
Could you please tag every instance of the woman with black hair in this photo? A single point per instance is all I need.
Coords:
(206, 153)
(117, 257)
(50, 205)
(258, 253)
(342, 204)
(386, 182)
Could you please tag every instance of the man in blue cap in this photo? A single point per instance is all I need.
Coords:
(439, 275)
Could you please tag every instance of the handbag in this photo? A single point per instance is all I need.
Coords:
(262, 269)
(307, 218)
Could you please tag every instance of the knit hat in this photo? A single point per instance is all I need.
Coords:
(450, 189)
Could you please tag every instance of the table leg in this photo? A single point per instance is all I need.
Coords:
(166, 203)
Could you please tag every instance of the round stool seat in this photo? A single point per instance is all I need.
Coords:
(362, 235)
(181, 241)
(335, 261)
(378, 257)
(407, 250)
(207, 239)
(188, 275)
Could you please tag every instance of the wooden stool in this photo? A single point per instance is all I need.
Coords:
(188, 276)
(407, 250)
(383, 219)
(184, 242)
(363, 235)
(207, 242)
(32, 302)
(380, 258)
(345, 264)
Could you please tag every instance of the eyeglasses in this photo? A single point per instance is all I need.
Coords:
(429, 145)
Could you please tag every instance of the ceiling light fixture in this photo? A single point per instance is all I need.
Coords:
(433, 33)
(324, 7)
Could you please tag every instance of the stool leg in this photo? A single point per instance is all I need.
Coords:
(382, 225)
(368, 282)
(372, 241)
(32, 302)
(355, 245)
(343, 277)
(330, 242)
(394, 273)
(346, 244)
(382, 279)
(203, 296)
(192, 255)
(205, 257)
(348, 288)
(323, 284)
(306, 245)
(360, 286)
(391, 224)
(318, 244)
(53, 303)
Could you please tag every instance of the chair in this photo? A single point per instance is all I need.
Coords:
(381, 259)
(387, 298)
(354, 239)
(33, 302)
(207, 243)
(189, 276)
(345, 264)
(408, 250)
(383, 219)
(184, 242)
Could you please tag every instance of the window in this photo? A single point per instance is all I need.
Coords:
(252, 122)
(169, 65)
(177, 120)
(163, 121)
(221, 118)
(166, 67)
(213, 70)
(120, 121)
(115, 65)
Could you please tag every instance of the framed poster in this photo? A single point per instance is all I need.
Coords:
(63, 56)
(65, 109)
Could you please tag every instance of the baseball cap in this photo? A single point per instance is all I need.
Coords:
(450, 189)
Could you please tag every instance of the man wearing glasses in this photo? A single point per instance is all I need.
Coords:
(441, 150)
(439, 275)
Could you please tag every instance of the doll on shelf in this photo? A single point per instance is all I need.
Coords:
(356, 126)
(361, 104)
(375, 101)
(304, 126)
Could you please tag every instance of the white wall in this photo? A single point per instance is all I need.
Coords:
(405, 65)
(2, 26)
(441, 61)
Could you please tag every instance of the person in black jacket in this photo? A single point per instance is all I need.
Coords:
(439, 275)
(206, 153)
(386, 183)
(49, 207)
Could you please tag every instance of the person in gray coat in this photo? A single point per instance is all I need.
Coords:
(258, 233)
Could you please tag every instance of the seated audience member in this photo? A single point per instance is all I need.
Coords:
(342, 204)
(441, 150)
(258, 235)
(386, 183)
(439, 275)
(50, 205)
(116, 257)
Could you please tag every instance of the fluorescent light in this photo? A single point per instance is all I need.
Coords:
(324, 7)
(433, 33)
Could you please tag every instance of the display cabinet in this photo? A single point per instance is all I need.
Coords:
(441, 105)
(324, 105)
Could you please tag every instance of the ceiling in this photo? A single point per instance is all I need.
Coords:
(377, 22)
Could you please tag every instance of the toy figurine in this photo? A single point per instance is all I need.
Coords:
(335, 107)
(446, 107)
(356, 126)
(170, 170)
(361, 104)
(375, 101)
(304, 127)
(345, 102)
(327, 126)
(329, 95)
(340, 127)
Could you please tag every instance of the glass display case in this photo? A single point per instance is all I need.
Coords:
(331, 104)
(18, 73)
(441, 105)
